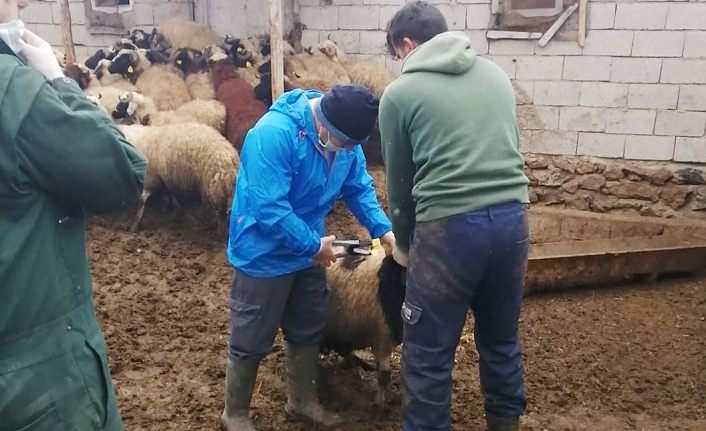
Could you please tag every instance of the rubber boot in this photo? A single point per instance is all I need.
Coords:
(502, 423)
(302, 378)
(240, 381)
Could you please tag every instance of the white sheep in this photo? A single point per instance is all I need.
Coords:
(366, 73)
(364, 310)
(187, 34)
(162, 82)
(315, 66)
(140, 109)
(186, 158)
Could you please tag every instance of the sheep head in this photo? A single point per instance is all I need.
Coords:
(140, 39)
(79, 73)
(126, 106)
(126, 63)
(159, 41)
(189, 60)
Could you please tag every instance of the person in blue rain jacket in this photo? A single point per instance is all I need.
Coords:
(299, 158)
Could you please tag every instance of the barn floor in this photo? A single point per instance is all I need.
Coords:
(623, 358)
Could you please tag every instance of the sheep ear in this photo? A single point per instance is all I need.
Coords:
(145, 120)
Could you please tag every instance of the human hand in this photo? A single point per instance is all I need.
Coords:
(40, 55)
(388, 242)
(400, 256)
(325, 256)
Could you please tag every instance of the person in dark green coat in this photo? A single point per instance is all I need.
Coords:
(60, 157)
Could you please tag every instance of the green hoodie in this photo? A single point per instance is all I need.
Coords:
(449, 136)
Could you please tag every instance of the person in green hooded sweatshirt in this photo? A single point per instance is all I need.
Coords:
(60, 157)
(458, 197)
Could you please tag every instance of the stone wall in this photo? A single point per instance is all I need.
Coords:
(609, 186)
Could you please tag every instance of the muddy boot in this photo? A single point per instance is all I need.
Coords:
(302, 378)
(502, 423)
(240, 381)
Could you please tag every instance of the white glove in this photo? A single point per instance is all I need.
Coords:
(40, 55)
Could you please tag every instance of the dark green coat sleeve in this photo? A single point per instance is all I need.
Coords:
(400, 170)
(72, 150)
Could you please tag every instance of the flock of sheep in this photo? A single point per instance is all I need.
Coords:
(186, 99)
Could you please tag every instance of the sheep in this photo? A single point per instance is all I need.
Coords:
(315, 66)
(162, 82)
(186, 158)
(187, 34)
(196, 75)
(140, 109)
(242, 108)
(154, 40)
(365, 73)
(109, 79)
(364, 310)
(104, 96)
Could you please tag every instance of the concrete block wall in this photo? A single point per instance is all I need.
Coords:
(44, 18)
(637, 90)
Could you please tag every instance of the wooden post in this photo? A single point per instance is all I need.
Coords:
(582, 22)
(67, 39)
(276, 50)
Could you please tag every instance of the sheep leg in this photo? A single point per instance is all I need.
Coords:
(383, 377)
(140, 208)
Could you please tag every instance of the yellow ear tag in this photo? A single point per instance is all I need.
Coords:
(130, 69)
(240, 49)
(178, 61)
(247, 64)
(376, 243)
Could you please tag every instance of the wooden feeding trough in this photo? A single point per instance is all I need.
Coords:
(574, 248)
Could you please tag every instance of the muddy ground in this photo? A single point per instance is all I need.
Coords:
(630, 357)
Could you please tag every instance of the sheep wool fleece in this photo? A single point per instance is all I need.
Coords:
(449, 136)
(286, 186)
(59, 156)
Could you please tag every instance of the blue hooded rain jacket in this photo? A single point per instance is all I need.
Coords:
(286, 186)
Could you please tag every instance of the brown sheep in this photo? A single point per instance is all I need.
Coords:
(242, 108)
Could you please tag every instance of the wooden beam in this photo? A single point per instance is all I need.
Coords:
(67, 39)
(557, 25)
(276, 50)
(498, 34)
(583, 4)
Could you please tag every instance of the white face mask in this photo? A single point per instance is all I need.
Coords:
(328, 145)
(11, 33)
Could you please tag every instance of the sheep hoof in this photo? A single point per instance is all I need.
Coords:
(349, 361)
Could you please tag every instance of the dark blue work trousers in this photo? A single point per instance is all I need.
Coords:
(297, 302)
(475, 260)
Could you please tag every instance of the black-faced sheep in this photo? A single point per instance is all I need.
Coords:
(197, 77)
(162, 82)
(107, 79)
(186, 158)
(242, 109)
(187, 34)
(104, 96)
(137, 108)
(364, 310)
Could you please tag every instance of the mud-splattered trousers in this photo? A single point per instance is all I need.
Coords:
(475, 260)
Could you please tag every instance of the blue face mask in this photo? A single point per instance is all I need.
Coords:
(11, 33)
(328, 145)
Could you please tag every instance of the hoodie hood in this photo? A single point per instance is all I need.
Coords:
(295, 105)
(448, 52)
